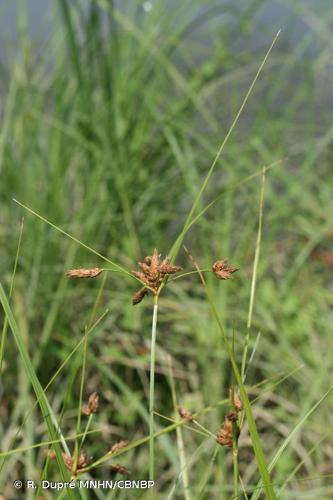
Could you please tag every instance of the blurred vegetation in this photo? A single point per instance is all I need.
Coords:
(107, 130)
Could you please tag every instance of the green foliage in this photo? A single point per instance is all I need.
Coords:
(108, 133)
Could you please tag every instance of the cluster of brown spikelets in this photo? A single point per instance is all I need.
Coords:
(83, 460)
(92, 405)
(222, 270)
(225, 434)
(152, 271)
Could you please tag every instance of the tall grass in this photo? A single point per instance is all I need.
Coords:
(108, 135)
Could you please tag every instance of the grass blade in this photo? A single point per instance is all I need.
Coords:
(286, 442)
(42, 400)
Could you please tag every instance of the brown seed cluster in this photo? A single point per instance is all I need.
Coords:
(92, 405)
(222, 270)
(185, 414)
(224, 435)
(238, 405)
(118, 446)
(152, 272)
(120, 469)
(82, 462)
(84, 273)
(139, 295)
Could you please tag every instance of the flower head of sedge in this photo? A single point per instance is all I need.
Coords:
(224, 435)
(185, 414)
(118, 446)
(84, 273)
(152, 272)
(92, 405)
(82, 462)
(222, 270)
(120, 469)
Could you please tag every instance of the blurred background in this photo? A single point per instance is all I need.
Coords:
(111, 115)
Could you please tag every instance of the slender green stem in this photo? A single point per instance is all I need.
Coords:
(254, 275)
(5, 323)
(235, 457)
(78, 424)
(86, 430)
(176, 246)
(180, 441)
(152, 389)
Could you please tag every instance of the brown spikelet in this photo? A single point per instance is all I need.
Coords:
(224, 435)
(82, 461)
(68, 460)
(92, 405)
(222, 270)
(50, 454)
(237, 402)
(84, 273)
(152, 272)
(120, 469)
(139, 295)
(185, 414)
(118, 446)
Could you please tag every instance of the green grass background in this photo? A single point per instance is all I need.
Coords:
(107, 130)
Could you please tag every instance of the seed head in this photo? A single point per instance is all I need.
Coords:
(92, 405)
(224, 435)
(118, 446)
(238, 405)
(185, 414)
(222, 270)
(139, 295)
(151, 273)
(82, 461)
(50, 454)
(84, 273)
(120, 469)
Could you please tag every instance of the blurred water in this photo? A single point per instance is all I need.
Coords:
(297, 20)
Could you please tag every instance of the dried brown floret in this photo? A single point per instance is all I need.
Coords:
(152, 272)
(50, 454)
(139, 295)
(222, 270)
(82, 461)
(224, 435)
(92, 405)
(118, 446)
(84, 273)
(185, 414)
(120, 469)
(237, 402)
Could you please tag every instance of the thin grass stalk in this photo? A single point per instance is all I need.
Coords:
(180, 441)
(254, 274)
(176, 246)
(78, 424)
(286, 442)
(114, 264)
(86, 430)
(53, 378)
(235, 458)
(264, 473)
(5, 323)
(181, 423)
(152, 390)
(42, 400)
